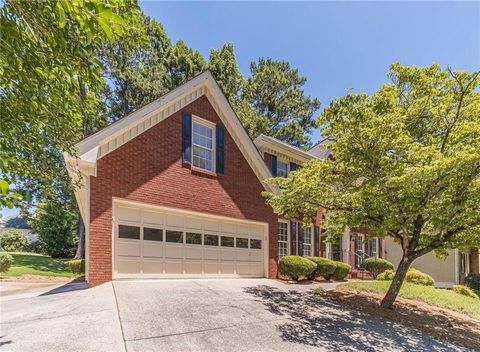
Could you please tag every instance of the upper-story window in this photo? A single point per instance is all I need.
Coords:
(203, 145)
(282, 169)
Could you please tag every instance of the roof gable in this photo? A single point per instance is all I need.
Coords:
(115, 135)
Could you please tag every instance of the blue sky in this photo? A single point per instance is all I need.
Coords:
(336, 45)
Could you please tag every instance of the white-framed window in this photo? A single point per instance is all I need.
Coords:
(307, 241)
(203, 144)
(282, 169)
(282, 239)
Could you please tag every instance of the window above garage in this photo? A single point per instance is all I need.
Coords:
(203, 144)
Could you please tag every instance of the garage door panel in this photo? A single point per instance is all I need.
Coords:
(193, 252)
(173, 267)
(174, 251)
(152, 266)
(153, 250)
(193, 267)
(164, 243)
(211, 267)
(128, 266)
(128, 248)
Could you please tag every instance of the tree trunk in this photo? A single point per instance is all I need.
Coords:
(81, 239)
(394, 289)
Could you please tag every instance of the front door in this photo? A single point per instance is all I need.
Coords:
(357, 248)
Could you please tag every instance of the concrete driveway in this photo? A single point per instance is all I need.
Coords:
(198, 315)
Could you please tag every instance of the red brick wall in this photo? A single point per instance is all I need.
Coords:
(149, 169)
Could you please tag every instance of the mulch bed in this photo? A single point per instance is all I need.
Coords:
(438, 322)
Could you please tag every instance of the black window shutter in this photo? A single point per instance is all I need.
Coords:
(274, 165)
(300, 239)
(293, 238)
(293, 166)
(187, 137)
(316, 241)
(220, 139)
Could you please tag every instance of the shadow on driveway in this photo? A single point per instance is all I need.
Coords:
(318, 322)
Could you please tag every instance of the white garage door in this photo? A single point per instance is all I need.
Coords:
(149, 242)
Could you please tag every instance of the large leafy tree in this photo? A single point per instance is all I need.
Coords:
(48, 62)
(136, 71)
(184, 64)
(405, 163)
(274, 90)
(223, 65)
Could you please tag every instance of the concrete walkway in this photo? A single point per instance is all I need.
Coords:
(199, 315)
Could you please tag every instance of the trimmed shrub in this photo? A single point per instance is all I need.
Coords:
(34, 247)
(417, 277)
(465, 291)
(473, 281)
(376, 266)
(6, 261)
(341, 270)
(325, 267)
(77, 266)
(386, 275)
(13, 240)
(295, 266)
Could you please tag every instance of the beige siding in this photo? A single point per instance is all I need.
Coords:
(442, 270)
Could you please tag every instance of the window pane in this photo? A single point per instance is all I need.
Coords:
(282, 249)
(255, 244)
(202, 158)
(282, 169)
(174, 236)
(228, 241)
(307, 235)
(282, 231)
(202, 135)
(193, 238)
(211, 240)
(242, 242)
(130, 232)
(152, 234)
(307, 250)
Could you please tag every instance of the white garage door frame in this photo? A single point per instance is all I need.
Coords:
(168, 218)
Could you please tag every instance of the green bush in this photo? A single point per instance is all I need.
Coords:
(386, 275)
(376, 266)
(341, 270)
(34, 247)
(77, 266)
(417, 277)
(296, 266)
(473, 281)
(13, 240)
(6, 261)
(465, 291)
(325, 267)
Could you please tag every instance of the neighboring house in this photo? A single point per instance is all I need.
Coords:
(17, 222)
(174, 190)
(446, 272)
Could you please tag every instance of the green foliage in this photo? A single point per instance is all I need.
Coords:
(77, 266)
(34, 247)
(406, 164)
(6, 261)
(325, 267)
(320, 291)
(473, 281)
(185, 64)
(341, 271)
(376, 266)
(417, 277)
(465, 291)
(428, 294)
(34, 264)
(55, 225)
(387, 275)
(274, 90)
(48, 60)
(223, 65)
(295, 266)
(13, 240)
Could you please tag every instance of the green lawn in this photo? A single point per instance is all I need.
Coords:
(35, 264)
(434, 296)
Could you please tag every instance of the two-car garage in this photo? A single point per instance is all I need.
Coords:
(151, 241)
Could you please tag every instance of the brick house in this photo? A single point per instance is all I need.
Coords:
(174, 190)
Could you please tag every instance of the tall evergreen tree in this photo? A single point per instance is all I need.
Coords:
(274, 90)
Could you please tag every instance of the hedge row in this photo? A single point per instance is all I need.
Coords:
(312, 267)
